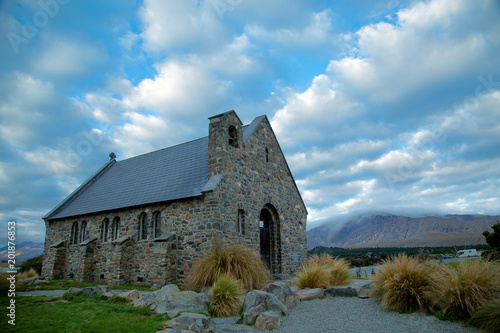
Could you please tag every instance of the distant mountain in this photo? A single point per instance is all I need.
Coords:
(24, 251)
(377, 230)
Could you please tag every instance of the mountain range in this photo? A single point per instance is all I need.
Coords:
(387, 230)
(24, 251)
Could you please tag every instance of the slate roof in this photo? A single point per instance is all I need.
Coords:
(167, 174)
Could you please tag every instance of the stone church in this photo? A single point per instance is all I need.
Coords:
(144, 220)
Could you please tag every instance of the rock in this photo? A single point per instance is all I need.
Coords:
(108, 294)
(226, 320)
(130, 295)
(308, 294)
(267, 321)
(89, 291)
(283, 292)
(340, 291)
(173, 302)
(101, 289)
(28, 279)
(258, 301)
(41, 282)
(76, 291)
(365, 290)
(185, 320)
(145, 300)
(172, 330)
(202, 325)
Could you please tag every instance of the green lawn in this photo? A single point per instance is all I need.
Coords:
(66, 284)
(78, 314)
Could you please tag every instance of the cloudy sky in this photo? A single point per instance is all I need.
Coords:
(389, 106)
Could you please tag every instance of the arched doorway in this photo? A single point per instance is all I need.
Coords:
(270, 238)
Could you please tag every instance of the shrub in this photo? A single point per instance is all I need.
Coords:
(35, 263)
(226, 296)
(339, 273)
(403, 284)
(312, 275)
(238, 261)
(487, 318)
(462, 289)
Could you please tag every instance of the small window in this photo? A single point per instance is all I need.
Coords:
(267, 155)
(143, 226)
(241, 222)
(157, 223)
(74, 233)
(105, 230)
(115, 228)
(83, 231)
(233, 136)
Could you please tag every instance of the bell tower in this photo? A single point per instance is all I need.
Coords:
(225, 142)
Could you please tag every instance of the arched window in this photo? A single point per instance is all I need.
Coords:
(143, 226)
(115, 228)
(105, 230)
(157, 224)
(241, 222)
(74, 233)
(233, 136)
(83, 231)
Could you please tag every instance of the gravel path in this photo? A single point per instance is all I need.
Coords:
(343, 314)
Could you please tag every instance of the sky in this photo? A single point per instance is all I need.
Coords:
(389, 106)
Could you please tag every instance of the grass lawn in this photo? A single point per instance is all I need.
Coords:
(66, 284)
(78, 314)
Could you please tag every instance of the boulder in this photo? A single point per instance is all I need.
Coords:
(171, 301)
(108, 294)
(145, 300)
(202, 325)
(268, 320)
(76, 291)
(283, 292)
(185, 320)
(365, 290)
(258, 301)
(309, 294)
(95, 291)
(340, 291)
(130, 295)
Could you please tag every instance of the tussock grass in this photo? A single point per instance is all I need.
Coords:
(312, 275)
(239, 262)
(226, 296)
(403, 284)
(322, 259)
(27, 274)
(323, 271)
(339, 273)
(487, 318)
(462, 289)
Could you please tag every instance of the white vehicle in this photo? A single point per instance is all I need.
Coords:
(468, 253)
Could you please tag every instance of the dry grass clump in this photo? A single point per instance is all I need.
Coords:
(487, 318)
(226, 296)
(339, 273)
(239, 262)
(323, 271)
(30, 273)
(403, 284)
(312, 275)
(461, 290)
